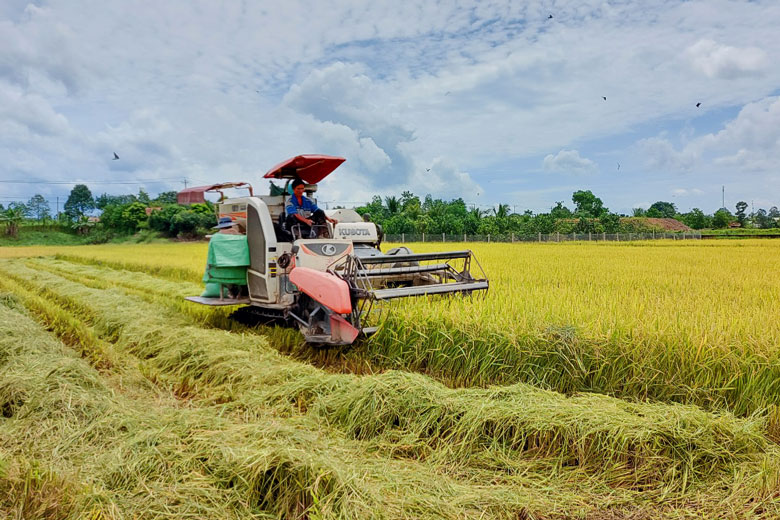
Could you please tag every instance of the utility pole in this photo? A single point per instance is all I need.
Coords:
(58, 206)
(723, 199)
(185, 183)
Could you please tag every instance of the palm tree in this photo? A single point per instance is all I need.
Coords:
(502, 211)
(393, 205)
(478, 213)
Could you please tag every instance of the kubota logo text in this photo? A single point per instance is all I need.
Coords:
(345, 232)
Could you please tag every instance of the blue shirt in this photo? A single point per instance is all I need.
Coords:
(301, 209)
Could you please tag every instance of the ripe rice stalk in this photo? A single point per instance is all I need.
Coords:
(640, 328)
(146, 460)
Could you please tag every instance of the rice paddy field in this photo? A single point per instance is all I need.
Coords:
(593, 381)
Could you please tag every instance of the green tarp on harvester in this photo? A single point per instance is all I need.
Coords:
(227, 260)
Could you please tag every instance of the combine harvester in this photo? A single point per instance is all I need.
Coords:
(328, 284)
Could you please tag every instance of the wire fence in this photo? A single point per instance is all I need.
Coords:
(542, 237)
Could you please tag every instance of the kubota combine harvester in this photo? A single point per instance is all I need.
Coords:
(326, 281)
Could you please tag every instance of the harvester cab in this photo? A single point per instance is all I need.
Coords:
(325, 281)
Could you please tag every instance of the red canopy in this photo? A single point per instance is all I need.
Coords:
(196, 194)
(311, 169)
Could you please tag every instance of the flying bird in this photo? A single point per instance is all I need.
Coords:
(604, 98)
(115, 157)
(428, 169)
(698, 105)
(549, 17)
(618, 165)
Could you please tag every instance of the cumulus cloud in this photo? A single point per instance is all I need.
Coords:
(143, 142)
(397, 89)
(444, 179)
(751, 141)
(30, 113)
(683, 192)
(568, 161)
(345, 99)
(716, 60)
(344, 104)
(42, 47)
(661, 155)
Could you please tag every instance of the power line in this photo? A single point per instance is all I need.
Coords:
(150, 181)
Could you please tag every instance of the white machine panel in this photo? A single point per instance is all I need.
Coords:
(356, 231)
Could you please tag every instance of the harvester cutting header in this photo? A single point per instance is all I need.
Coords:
(287, 259)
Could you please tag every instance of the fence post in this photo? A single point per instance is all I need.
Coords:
(442, 237)
(423, 236)
(488, 238)
(464, 237)
(557, 236)
(604, 236)
(653, 233)
(540, 236)
(590, 236)
(617, 236)
(403, 238)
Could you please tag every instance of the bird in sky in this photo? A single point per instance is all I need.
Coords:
(549, 17)
(604, 98)
(427, 169)
(618, 165)
(698, 105)
(115, 157)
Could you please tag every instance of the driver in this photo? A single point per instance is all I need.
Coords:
(304, 212)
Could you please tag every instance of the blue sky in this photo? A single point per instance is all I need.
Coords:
(490, 101)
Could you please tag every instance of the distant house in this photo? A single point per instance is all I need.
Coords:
(153, 208)
(93, 219)
(734, 224)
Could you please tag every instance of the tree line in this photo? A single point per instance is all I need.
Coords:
(116, 215)
(407, 213)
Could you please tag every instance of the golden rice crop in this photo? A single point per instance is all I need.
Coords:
(191, 421)
(713, 295)
(688, 321)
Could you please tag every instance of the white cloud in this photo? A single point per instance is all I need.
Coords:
(342, 101)
(143, 142)
(204, 89)
(568, 161)
(683, 192)
(444, 179)
(30, 113)
(715, 60)
(42, 47)
(662, 156)
(749, 142)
